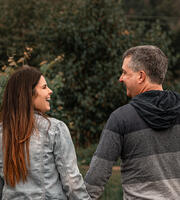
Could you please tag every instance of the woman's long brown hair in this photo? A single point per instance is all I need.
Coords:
(17, 116)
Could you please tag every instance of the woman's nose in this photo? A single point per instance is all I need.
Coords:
(50, 91)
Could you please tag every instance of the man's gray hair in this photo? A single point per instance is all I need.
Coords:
(150, 59)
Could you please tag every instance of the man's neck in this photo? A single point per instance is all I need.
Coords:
(149, 87)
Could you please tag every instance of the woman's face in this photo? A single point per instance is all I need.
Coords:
(42, 96)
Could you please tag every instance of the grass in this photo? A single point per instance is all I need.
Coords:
(113, 189)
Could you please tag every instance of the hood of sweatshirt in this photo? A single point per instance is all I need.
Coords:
(159, 109)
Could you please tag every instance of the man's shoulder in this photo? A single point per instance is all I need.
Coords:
(119, 118)
(126, 109)
(127, 119)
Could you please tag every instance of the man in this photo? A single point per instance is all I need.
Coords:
(145, 133)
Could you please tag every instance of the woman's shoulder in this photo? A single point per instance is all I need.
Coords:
(1, 127)
(49, 123)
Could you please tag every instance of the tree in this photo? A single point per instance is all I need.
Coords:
(79, 45)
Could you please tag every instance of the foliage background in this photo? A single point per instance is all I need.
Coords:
(78, 46)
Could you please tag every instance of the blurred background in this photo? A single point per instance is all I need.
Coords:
(78, 46)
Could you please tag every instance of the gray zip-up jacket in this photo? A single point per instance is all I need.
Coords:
(53, 172)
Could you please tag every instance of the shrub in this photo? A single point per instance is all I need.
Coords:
(79, 45)
(92, 40)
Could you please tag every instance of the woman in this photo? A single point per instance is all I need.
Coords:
(37, 160)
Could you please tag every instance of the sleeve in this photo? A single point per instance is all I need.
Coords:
(66, 162)
(1, 169)
(1, 187)
(107, 153)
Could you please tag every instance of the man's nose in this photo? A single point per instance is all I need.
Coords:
(121, 78)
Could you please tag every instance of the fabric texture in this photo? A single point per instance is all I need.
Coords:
(158, 108)
(53, 172)
(145, 135)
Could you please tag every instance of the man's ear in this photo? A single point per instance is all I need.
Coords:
(142, 76)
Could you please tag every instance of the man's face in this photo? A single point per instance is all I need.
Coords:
(129, 78)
